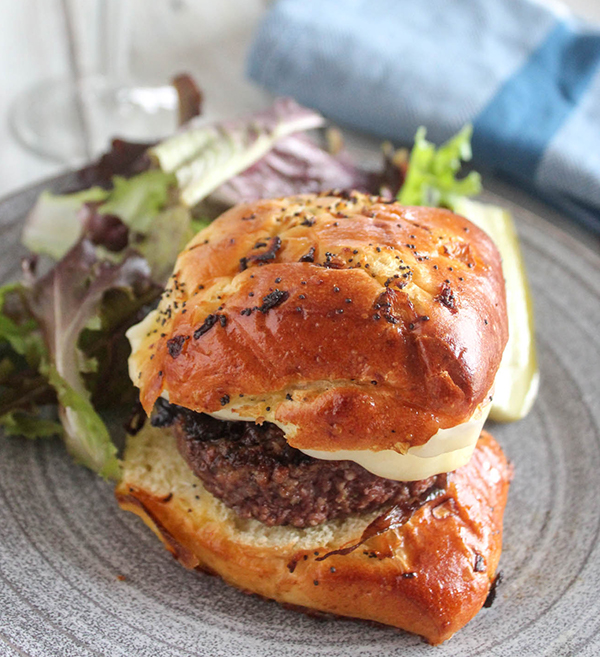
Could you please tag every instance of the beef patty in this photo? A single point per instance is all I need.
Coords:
(254, 471)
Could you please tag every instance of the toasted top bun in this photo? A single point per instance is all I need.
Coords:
(352, 322)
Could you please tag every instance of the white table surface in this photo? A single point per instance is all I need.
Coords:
(208, 39)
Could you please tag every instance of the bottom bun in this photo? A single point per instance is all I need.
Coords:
(429, 575)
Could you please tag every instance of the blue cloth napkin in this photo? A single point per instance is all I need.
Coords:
(526, 76)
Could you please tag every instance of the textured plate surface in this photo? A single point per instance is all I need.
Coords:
(80, 577)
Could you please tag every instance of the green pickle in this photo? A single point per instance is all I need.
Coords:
(517, 380)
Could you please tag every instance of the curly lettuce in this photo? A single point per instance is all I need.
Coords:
(432, 179)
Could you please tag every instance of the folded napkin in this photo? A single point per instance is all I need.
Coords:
(525, 74)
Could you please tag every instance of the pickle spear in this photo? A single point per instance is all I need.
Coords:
(517, 380)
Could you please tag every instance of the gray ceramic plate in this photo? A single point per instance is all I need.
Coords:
(80, 577)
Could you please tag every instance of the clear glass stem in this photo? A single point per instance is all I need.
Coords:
(76, 76)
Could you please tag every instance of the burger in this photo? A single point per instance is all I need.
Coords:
(317, 375)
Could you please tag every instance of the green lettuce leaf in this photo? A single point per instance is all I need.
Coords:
(137, 201)
(28, 425)
(22, 389)
(65, 302)
(170, 231)
(431, 177)
(57, 222)
(86, 436)
(104, 343)
(204, 157)
(53, 225)
(199, 224)
(22, 350)
(17, 327)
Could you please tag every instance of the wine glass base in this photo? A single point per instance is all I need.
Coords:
(65, 123)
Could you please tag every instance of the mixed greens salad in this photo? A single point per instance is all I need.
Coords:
(99, 258)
